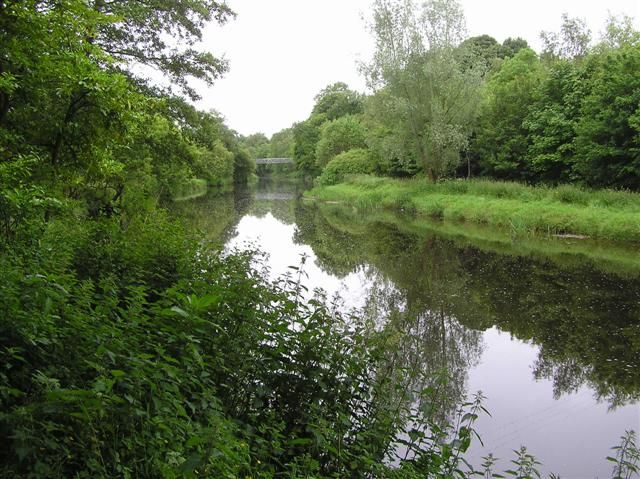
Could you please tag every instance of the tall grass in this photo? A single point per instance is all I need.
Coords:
(568, 209)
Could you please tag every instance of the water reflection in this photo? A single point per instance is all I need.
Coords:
(527, 329)
(586, 322)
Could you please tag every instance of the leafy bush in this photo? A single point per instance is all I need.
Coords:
(338, 136)
(125, 354)
(352, 162)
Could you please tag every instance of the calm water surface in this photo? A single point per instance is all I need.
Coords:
(553, 342)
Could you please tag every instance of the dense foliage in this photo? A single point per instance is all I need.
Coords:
(77, 122)
(352, 162)
(130, 347)
(445, 105)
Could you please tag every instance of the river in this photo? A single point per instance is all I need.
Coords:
(548, 331)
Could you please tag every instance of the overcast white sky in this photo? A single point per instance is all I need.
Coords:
(283, 52)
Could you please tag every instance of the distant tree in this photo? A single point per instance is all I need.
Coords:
(282, 144)
(483, 48)
(431, 95)
(511, 46)
(620, 32)
(257, 145)
(352, 162)
(306, 135)
(608, 131)
(214, 146)
(571, 42)
(333, 102)
(387, 138)
(551, 122)
(243, 166)
(337, 100)
(500, 144)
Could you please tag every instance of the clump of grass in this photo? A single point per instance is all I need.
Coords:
(499, 189)
(570, 194)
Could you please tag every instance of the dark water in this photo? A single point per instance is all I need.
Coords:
(549, 332)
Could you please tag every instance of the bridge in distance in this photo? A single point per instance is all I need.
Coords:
(273, 161)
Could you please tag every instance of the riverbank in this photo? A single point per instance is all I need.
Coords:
(621, 259)
(522, 210)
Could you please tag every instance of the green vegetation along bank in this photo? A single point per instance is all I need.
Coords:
(564, 210)
(129, 348)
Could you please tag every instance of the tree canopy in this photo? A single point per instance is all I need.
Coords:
(432, 96)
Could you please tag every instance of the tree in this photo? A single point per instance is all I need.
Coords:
(386, 137)
(337, 100)
(511, 46)
(608, 131)
(500, 143)
(67, 99)
(482, 47)
(60, 100)
(282, 144)
(331, 103)
(572, 41)
(162, 35)
(257, 145)
(306, 135)
(338, 136)
(619, 32)
(551, 122)
(433, 96)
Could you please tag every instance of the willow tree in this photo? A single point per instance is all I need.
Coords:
(432, 94)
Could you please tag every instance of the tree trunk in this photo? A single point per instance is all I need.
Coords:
(4, 96)
(5, 103)
(74, 106)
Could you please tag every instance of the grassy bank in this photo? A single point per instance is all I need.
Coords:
(565, 210)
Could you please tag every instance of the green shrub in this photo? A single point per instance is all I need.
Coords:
(352, 162)
(339, 136)
(570, 194)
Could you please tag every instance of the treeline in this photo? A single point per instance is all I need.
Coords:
(445, 105)
(76, 121)
(280, 145)
(571, 114)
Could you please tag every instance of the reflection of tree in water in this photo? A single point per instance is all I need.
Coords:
(336, 252)
(425, 342)
(213, 214)
(277, 198)
(217, 213)
(585, 321)
(409, 301)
